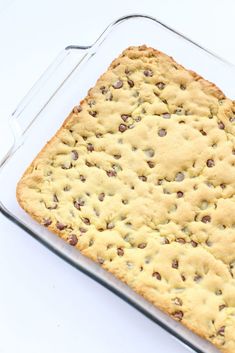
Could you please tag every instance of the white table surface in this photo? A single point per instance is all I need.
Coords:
(46, 305)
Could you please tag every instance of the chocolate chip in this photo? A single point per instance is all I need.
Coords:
(157, 275)
(110, 225)
(120, 251)
(179, 177)
(118, 84)
(160, 85)
(109, 97)
(178, 315)
(111, 173)
(88, 164)
(100, 260)
(122, 127)
(206, 219)
(82, 178)
(194, 244)
(180, 240)
(77, 109)
(101, 196)
(77, 205)
(125, 117)
(148, 73)
(149, 152)
(183, 278)
(66, 166)
(91, 103)
(92, 113)
(178, 301)
(223, 186)
(210, 163)
(210, 185)
(67, 188)
(72, 239)
(162, 132)
(130, 83)
(142, 245)
(166, 191)
(179, 111)
(116, 167)
(117, 156)
(197, 278)
(218, 292)
(55, 198)
(180, 194)
(74, 155)
(203, 132)
(47, 222)
(166, 115)
(90, 147)
(222, 306)
(103, 89)
(60, 226)
(150, 164)
(221, 125)
(208, 243)
(175, 263)
(91, 242)
(142, 177)
(166, 241)
(221, 331)
(86, 221)
(183, 87)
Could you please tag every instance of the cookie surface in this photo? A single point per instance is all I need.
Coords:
(141, 178)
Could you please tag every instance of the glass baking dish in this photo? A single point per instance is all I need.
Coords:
(43, 110)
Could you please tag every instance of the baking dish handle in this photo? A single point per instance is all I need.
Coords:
(38, 97)
(52, 78)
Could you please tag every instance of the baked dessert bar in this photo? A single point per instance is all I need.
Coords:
(141, 179)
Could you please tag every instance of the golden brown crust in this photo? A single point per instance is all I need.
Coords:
(141, 178)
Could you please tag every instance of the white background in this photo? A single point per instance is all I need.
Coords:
(47, 306)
